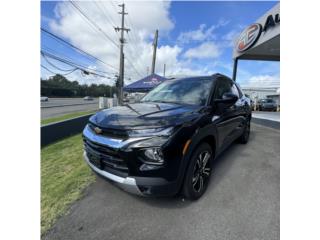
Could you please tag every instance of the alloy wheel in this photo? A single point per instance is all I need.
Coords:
(201, 171)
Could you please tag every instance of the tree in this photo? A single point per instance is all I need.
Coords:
(60, 86)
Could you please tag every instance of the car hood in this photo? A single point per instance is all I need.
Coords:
(145, 115)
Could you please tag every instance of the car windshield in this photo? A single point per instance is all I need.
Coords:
(267, 100)
(194, 91)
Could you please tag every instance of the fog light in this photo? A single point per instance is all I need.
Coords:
(153, 156)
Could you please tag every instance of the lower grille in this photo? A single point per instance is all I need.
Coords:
(103, 157)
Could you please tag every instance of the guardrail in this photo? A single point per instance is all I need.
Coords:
(55, 131)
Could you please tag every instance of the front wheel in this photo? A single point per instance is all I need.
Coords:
(244, 138)
(198, 172)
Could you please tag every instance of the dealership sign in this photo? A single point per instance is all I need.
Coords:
(248, 37)
(252, 33)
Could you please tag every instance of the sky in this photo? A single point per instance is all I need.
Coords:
(195, 38)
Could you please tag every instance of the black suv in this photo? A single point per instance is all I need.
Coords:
(267, 104)
(168, 141)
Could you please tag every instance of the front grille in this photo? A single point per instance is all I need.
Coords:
(103, 157)
(109, 132)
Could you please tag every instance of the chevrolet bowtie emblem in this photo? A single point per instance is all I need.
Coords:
(98, 130)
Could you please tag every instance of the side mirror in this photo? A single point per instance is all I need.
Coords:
(228, 99)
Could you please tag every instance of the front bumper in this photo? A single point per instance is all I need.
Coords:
(142, 186)
(128, 184)
(126, 170)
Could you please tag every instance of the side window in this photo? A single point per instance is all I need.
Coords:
(235, 90)
(239, 90)
(223, 86)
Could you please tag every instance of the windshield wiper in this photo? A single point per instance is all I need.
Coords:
(161, 101)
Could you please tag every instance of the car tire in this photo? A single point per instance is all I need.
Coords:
(244, 138)
(198, 172)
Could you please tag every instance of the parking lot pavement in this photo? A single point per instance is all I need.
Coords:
(242, 202)
(273, 116)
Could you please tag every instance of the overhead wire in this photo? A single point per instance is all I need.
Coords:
(53, 65)
(76, 65)
(64, 74)
(97, 27)
(75, 47)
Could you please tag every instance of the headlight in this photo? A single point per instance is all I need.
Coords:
(151, 132)
(153, 156)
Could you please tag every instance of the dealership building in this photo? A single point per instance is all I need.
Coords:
(256, 93)
(260, 41)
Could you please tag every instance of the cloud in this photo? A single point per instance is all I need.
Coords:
(206, 50)
(263, 81)
(202, 33)
(143, 19)
(231, 37)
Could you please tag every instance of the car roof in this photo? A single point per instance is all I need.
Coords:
(213, 77)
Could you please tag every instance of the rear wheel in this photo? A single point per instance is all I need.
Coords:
(198, 172)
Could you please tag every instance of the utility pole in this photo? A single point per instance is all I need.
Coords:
(122, 41)
(164, 70)
(155, 44)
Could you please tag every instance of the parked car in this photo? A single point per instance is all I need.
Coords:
(251, 102)
(88, 98)
(44, 99)
(267, 104)
(168, 141)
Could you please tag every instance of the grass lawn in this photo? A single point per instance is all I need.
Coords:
(64, 175)
(66, 116)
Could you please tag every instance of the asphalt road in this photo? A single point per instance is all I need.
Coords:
(242, 202)
(60, 106)
(274, 116)
(66, 101)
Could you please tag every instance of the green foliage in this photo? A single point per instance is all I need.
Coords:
(64, 176)
(60, 86)
(66, 116)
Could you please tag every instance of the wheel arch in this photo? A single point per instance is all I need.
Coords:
(196, 141)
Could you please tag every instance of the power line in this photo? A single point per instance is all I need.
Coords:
(132, 50)
(114, 7)
(53, 52)
(93, 23)
(68, 61)
(53, 65)
(134, 67)
(135, 37)
(76, 65)
(105, 12)
(75, 47)
(64, 74)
